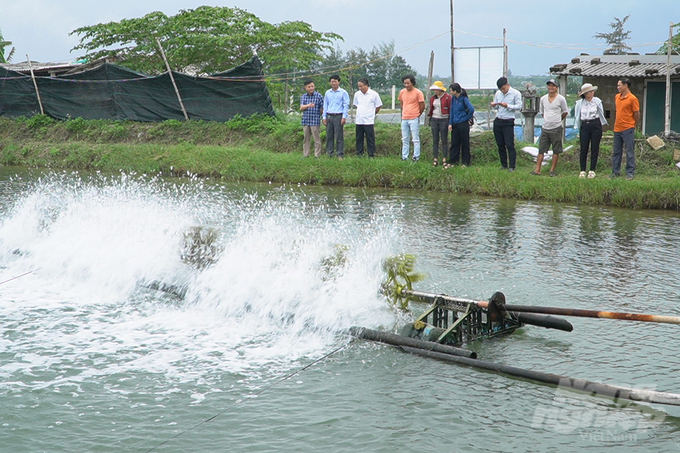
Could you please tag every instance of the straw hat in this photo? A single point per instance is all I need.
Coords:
(438, 85)
(586, 88)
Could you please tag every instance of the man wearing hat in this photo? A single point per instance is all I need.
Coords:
(588, 120)
(507, 100)
(553, 107)
(440, 105)
(627, 117)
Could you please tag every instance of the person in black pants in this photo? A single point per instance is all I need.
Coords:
(506, 100)
(589, 119)
(459, 125)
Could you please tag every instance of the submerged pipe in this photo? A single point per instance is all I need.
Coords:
(547, 321)
(399, 340)
(581, 385)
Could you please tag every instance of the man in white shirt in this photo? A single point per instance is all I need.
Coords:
(368, 104)
(553, 107)
(507, 101)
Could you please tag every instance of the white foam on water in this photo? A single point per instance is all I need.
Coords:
(267, 302)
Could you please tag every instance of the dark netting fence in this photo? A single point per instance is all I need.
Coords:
(113, 92)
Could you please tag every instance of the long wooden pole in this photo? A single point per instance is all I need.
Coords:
(167, 65)
(429, 84)
(552, 310)
(35, 84)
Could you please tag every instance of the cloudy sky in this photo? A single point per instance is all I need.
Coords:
(539, 34)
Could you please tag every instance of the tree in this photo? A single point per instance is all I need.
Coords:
(381, 66)
(675, 43)
(204, 40)
(3, 45)
(616, 39)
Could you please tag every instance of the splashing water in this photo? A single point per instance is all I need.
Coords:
(290, 277)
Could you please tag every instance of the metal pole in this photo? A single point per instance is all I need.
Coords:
(167, 65)
(667, 111)
(452, 46)
(35, 84)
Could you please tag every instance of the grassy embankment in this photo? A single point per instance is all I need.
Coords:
(269, 149)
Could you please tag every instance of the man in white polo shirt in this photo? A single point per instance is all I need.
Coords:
(368, 105)
(553, 107)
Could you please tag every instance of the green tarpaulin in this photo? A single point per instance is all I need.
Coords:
(114, 92)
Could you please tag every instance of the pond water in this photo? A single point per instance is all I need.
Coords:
(251, 353)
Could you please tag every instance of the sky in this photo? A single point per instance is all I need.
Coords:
(539, 34)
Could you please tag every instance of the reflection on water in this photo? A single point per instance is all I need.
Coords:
(127, 367)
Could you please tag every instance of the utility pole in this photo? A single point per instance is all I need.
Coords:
(505, 56)
(667, 110)
(452, 46)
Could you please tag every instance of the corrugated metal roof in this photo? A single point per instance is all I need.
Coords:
(646, 66)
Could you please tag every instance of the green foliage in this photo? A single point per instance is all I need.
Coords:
(271, 152)
(381, 66)
(39, 121)
(400, 276)
(675, 43)
(206, 40)
(331, 265)
(3, 45)
(616, 39)
(254, 124)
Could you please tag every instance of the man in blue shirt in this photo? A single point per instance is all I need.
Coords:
(311, 105)
(507, 100)
(335, 108)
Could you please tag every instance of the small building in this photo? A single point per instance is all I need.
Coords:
(648, 76)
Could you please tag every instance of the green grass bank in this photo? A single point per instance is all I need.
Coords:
(263, 149)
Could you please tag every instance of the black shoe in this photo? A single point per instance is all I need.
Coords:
(415, 159)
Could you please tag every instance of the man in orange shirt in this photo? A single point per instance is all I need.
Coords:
(412, 105)
(627, 116)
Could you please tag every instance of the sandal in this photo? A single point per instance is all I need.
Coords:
(435, 163)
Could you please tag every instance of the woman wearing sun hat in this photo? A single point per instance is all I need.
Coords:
(589, 119)
(440, 103)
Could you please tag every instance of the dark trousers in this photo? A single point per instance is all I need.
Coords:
(335, 133)
(591, 134)
(440, 134)
(367, 130)
(460, 143)
(504, 132)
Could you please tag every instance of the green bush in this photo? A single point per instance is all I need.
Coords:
(40, 121)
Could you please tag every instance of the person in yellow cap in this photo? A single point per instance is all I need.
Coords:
(440, 105)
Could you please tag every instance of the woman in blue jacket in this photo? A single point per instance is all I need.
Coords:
(460, 117)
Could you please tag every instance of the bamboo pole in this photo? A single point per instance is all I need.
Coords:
(167, 65)
(429, 84)
(35, 84)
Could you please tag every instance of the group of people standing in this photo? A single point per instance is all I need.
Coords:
(589, 119)
(453, 113)
(332, 110)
